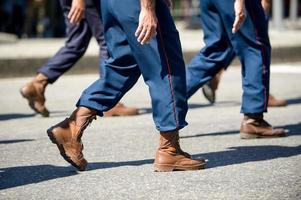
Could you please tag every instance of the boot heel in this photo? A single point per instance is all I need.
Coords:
(248, 136)
(163, 168)
(51, 137)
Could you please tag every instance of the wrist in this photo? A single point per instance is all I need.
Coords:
(148, 11)
(148, 5)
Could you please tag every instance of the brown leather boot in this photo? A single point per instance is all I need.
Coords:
(170, 156)
(121, 110)
(67, 136)
(257, 127)
(34, 93)
(273, 102)
(210, 87)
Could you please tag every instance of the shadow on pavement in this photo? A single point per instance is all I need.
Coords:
(15, 141)
(245, 154)
(195, 105)
(211, 134)
(294, 101)
(294, 129)
(104, 165)
(10, 116)
(24, 175)
(4, 117)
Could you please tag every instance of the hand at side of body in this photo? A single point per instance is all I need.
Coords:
(77, 11)
(266, 4)
(147, 22)
(240, 14)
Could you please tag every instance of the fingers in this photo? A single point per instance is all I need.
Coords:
(145, 34)
(235, 25)
(239, 20)
(240, 15)
(142, 35)
(148, 36)
(138, 31)
(75, 15)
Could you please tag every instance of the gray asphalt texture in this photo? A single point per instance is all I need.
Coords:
(120, 150)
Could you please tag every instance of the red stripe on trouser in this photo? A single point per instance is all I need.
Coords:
(169, 74)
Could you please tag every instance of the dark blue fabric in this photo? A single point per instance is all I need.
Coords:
(78, 38)
(160, 62)
(251, 44)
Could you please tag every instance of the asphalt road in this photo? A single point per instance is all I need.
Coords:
(121, 150)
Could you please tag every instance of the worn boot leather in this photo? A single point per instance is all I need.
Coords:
(67, 136)
(121, 110)
(273, 102)
(170, 156)
(34, 93)
(187, 155)
(257, 127)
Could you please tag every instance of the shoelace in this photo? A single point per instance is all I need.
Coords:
(261, 122)
(84, 126)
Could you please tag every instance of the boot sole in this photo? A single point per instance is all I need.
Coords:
(62, 150)
(30, 100)
(210, 97)
(254, 136)
(170, 168)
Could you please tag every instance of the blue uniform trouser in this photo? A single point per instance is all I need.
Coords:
(251, 44)
(160, 62)
(78, 38)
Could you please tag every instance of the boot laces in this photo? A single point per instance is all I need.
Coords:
(262, 122)
(85, 125)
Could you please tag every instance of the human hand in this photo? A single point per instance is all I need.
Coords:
(147, 25)
(266, 5)
(240, 15)
(77, 11)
